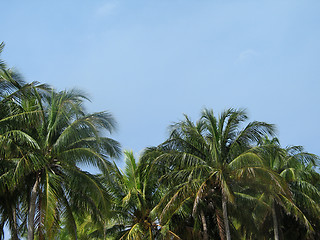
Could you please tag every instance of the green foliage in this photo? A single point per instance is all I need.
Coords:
(136, 193)
(209, 163)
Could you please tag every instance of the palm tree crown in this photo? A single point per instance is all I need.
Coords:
(208, 158)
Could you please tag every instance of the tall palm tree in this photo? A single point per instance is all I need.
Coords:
(12, 122)
(59, 136)
(207, 159)
(43, 138)
(67, 136)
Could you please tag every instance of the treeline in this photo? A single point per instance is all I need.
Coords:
(220, 177)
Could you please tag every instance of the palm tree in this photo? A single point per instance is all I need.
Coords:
(67, 137)
(12, 122)
(59, 136)
(206, 160)
(295, 167)
(136, 193)
(43, 139)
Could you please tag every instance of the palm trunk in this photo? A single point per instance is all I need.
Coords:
(41, 225)
(13, 225)
(225, 217)
(204, 225)
(275, 222)
(32, 209)
(220, 224)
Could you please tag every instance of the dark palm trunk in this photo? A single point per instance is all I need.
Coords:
(32, 209)
(275, 222)
(13, 225)
(204, 225)
(225, 217)
(220, 224)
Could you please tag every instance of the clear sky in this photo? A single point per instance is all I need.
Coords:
(150, 61)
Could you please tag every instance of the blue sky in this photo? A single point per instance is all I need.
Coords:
(150, 61)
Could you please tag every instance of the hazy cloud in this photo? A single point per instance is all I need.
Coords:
(246, 55)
